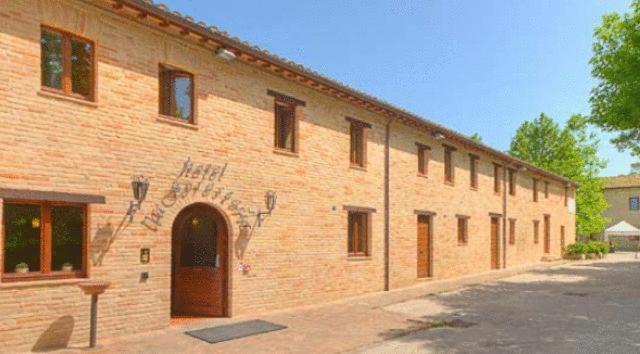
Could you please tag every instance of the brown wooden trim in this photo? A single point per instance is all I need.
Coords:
(358, 209)
(423, 146)
(460, 216)
(358, 122)
(495, 215)
(450, 147)
(286, 98)
(41, 196)
(171, 73)
(424, 212)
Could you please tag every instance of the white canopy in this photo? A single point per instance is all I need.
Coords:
(622, 228)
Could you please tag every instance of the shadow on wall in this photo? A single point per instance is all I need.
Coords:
(56, 336)
(105, 235)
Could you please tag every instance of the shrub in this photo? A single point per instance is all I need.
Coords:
(597, 247)
(576, 249)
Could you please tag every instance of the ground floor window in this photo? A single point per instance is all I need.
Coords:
(358, 234)
(43, 240)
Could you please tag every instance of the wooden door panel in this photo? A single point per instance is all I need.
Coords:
(495, 239)
(423, 246)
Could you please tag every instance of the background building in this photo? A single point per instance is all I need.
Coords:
(623, 195)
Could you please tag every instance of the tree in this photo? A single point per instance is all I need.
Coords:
(571, 152)
(476, 137)
(615, 106)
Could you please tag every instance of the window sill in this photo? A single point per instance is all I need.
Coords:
(422, 175)
(63, 97)
(174, 121)
(356, 258)
(16, 283)
(285, 152)
(358, 168)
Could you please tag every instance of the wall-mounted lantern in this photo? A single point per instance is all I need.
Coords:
(140, 186)
(270, 199)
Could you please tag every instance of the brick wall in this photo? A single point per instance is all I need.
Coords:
(298, 256)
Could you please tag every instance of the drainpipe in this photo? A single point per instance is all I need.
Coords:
(505, 217)
(387, 236)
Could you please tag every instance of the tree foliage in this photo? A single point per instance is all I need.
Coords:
(476, 137)
(570, 151)
(615, 63)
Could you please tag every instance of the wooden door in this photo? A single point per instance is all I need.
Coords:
(495, 242)
(561, 240)
(199, 263)
(547, 234)
(424, 246)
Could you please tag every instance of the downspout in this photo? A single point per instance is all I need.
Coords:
(387, 236)
(505, 217)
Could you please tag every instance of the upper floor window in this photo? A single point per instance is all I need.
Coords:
(512, 181)
(566, 196)
(358, 142)
(43, 240)
(634, 203)
(546, 190)
(497, 185)
(473, 171)
(66, 64)
(463, 229)
(176, 94)
(535, 190)
(449, 169)
(423, 159)
(286, 121)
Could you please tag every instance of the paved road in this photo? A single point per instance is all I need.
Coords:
(581, 308)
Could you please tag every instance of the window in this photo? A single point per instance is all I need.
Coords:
(512, 231)
(449, 169)
(634, 203)
(473, 171)
(176, 94)
(285, 115)
(497, 179)
(535, 190)
(43, 240)
(358, 234)
(566, 196)
(536, 231)
(358, 139)
(66, 64)
(423, 159)
(546, 190)
(512, 181)
(463, 229)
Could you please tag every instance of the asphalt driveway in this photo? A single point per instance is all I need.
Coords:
(577, 308)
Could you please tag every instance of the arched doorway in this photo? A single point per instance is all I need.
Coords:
(199, 267)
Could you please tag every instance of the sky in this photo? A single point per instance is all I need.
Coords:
(480, 66)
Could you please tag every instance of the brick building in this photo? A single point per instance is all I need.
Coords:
(269, 185)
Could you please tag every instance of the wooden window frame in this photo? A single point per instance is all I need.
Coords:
(497, 178)
(463, 229)
(546, 190)
(67, 83)
(358, 159)
(473, 171)
(172, 73)
(534, 182)
(423, 159)
(449, 165)
(511, 176)
(292, 103)
(46, 244)
(536, 231)
(353, 237)
(512, 231)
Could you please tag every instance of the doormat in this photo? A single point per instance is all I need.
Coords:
(234, 331)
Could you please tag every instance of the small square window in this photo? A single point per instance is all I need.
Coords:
(634, 203)
(176, 94)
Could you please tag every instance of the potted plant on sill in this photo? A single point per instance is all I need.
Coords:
(22, 268)
(67, 267)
